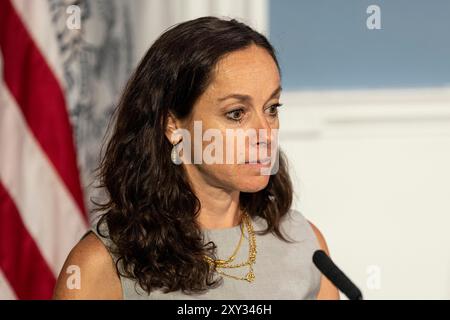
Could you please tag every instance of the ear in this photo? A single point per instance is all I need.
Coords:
(171, 126)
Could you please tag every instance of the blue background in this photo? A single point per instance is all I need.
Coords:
(325, 44)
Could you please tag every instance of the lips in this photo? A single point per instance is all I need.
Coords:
(260, 161)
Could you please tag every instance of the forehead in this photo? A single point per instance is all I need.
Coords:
(248, 71)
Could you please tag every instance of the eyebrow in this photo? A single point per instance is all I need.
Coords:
(247, 98)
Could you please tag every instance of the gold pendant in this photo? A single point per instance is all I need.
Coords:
(250, 276)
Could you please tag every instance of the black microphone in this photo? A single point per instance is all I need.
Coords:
(324, 263)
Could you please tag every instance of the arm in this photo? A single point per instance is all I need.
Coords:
(97, 272)
(327, 290)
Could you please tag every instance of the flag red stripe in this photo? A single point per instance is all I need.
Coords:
(40, 97)
(20, 259)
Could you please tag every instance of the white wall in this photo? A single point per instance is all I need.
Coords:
(371, 170)
(154, 16)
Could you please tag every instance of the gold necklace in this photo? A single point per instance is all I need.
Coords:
(233, 256)
(218, 264)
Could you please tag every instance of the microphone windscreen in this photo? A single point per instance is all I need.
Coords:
(324, 263)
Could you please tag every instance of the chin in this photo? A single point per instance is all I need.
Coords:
(252, 184)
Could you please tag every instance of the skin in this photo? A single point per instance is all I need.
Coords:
(251, 72)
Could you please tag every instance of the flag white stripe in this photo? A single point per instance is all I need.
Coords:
(6, 292)
(37, 19)
(47, 208)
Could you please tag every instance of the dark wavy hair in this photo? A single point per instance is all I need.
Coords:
(151, 209)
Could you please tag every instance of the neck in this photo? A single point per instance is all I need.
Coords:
(219, 207)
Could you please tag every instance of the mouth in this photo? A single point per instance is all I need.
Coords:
(265, 161)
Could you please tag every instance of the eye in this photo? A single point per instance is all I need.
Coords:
(274, 109)
(235, 115)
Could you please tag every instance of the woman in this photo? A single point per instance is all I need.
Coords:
(177, 228)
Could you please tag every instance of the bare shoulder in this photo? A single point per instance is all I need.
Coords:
(89, 272)
(327, 290)
(320, 237)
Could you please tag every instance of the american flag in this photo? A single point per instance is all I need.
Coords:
(43, 211)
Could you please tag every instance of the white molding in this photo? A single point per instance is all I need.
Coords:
(339, 97)
(364, 113)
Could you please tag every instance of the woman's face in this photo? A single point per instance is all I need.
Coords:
(251, 80)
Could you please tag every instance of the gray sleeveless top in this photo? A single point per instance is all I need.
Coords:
(282, 270)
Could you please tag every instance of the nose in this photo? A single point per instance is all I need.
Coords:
(263, 128)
